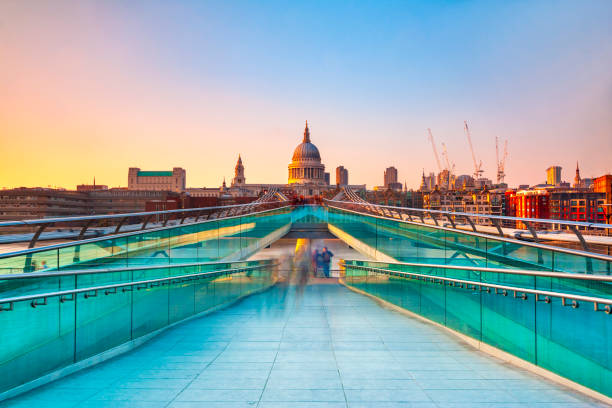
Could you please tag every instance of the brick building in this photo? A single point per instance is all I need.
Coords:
(568, 204)
(528, 204)
(603, 184)
(32, 203)
(574, 205)
(490, 202)
(27, 203)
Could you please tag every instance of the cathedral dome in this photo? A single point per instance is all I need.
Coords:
(306, 150)
(306, 166)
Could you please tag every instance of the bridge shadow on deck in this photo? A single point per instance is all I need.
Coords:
(324, 346)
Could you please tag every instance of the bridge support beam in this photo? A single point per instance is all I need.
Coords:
(39, 231)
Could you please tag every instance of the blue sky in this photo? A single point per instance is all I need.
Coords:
(192, 84)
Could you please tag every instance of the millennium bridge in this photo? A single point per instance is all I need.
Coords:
(210, 307)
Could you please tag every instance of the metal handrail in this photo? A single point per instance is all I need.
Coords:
(111, 216)
(42, 224)
(124, 234)
(517, 291)
(487, 216)
(10, 301)
(562, 275)
(489, 236)
(35, 275)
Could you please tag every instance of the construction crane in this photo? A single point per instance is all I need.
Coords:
(501, 164)
(477, 165)
(433, 145)
(445, 155)
(450, 169)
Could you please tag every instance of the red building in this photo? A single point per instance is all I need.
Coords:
(557, 204)
(528, 204)
(577, 205)
(603, 184)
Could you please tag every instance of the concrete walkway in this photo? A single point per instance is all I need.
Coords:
(326, 347)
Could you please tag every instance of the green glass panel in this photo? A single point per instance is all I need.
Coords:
(204, 297)
(508, 323)
(60, 331)
(581, 351)
(572, 340)
(35, 341)
(183, 245)
(564, 262)
(145, 300)
(151, 247)
(208, 242)
(407, 241)
(181, 300)
(103, 321)
(229, 238)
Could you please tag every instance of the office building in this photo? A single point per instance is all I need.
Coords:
(341, 176)
(390, 176)
(553, 175)
(157, 180)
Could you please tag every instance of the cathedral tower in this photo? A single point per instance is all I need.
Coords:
(239, 179)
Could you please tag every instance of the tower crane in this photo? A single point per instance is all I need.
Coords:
(501, 164)
(445, 155)
(433, 145)
(477, 165)
(450, 169)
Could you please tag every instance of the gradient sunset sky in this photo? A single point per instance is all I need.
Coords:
(90, 88)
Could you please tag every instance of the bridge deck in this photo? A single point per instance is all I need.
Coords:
(326, 347)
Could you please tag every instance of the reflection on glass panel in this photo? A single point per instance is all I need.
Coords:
(572, 341)
(45, 335)
(231, 238)
(407, 241)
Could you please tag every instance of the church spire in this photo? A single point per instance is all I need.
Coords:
(577, 179)
(238, 173)
(423, 186)
(306, 134)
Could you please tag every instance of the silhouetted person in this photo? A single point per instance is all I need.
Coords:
(315, 253)
(327, 257)
(319, 262)
(302, 266)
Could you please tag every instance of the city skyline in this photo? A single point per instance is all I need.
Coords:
(96, 88)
